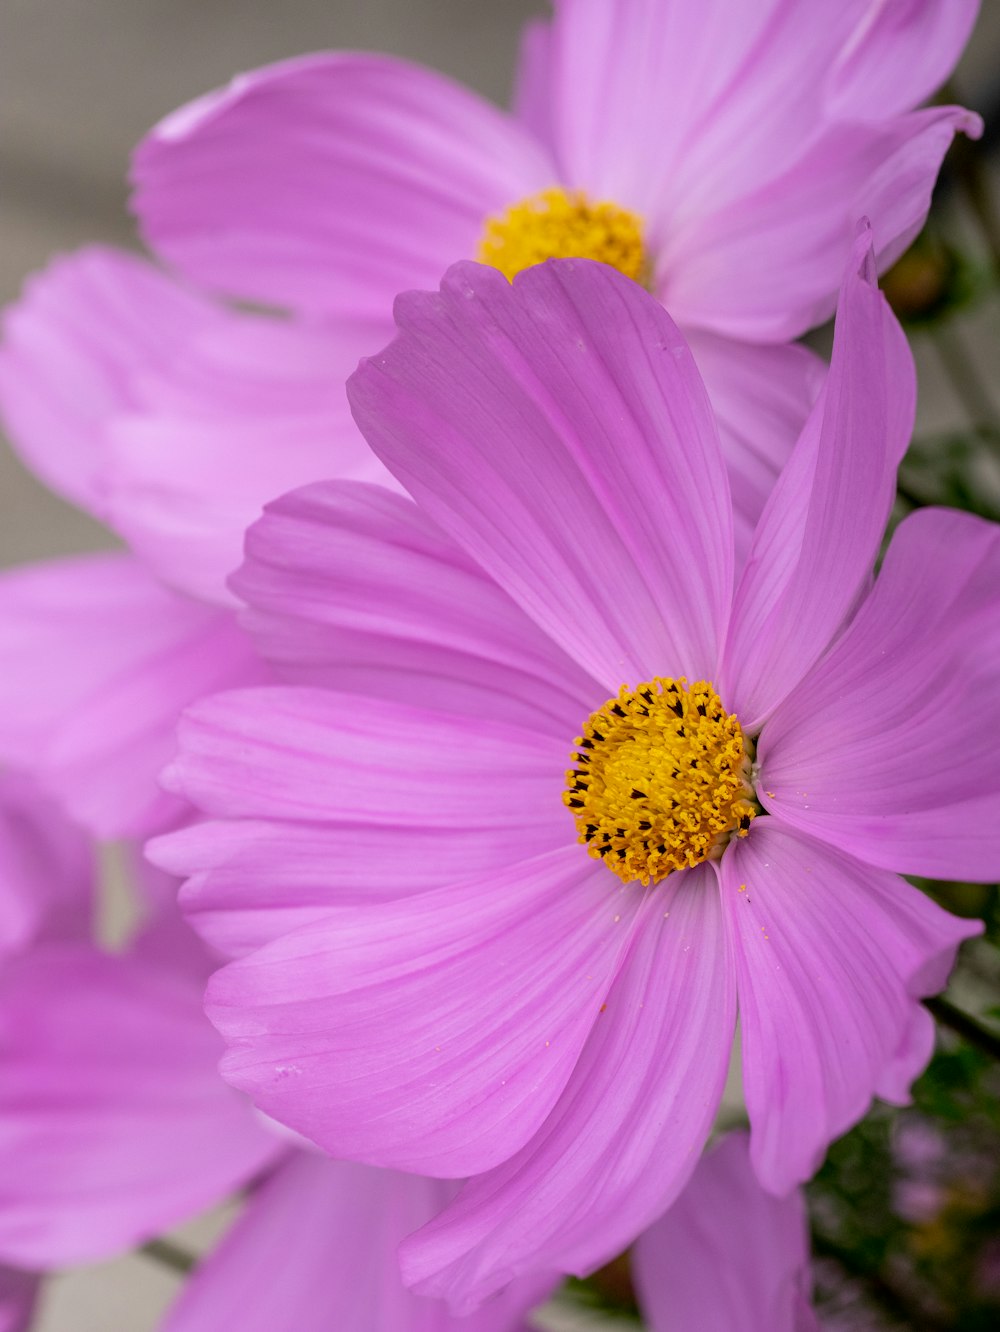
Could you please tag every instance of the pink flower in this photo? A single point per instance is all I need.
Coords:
(727, 1257)
(328, 184)
(444, 980)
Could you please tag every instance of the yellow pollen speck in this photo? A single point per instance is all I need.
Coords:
(560, 225)
(662, 778)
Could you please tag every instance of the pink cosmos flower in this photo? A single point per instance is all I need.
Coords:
(727, 1257)
(512, 1009)
(748, 143)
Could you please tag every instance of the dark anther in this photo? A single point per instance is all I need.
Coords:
(677, 707)
(574, 803)
(644, 826)
(598, 736)
(702, 710)
(639, 795)
(589, 831)
(618, 710)
(586, 744)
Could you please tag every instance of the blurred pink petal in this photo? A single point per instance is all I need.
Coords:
(315, 1250)
(114, 1124)
(96, 661)
(727, 1257)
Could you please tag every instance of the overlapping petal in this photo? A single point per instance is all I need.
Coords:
(726, 1257)
(96, 661)
(818, 538)
(329, 183)
(72, 347)
(887, 749)
(351, 587)
(250, 407)
(831, 956)
(316, 1249)
(434, 1033)
(626, 1132)
(113, 1121)
(18, 1293)
(559, 432)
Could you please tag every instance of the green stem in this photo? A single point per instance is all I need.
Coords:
(168, 1254)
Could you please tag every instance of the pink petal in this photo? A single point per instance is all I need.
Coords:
(631, 83)
(313, 755)
(559, 432)
(727, 1257)
(831, 956)
(530, 102)
(97, 660)
(247, 409)
(767, 269)
(887, 749)
(315, 1250)
(761, 397)
(72, 346)
(901, 53)
(46, 869)
(626, 1132)
(818, 538)
(113, 1122)
(353, 588)
(434, 1033)
(329, 183)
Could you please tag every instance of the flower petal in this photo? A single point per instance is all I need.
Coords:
(18, 1294)
(113, 1121)
(901, 54)
(329, 183)
(434, 1033)
(247, 409)
(817, 541)
(761, 397)
(767, 269)
(72, 346)
(831, 956)
(97, 660)
(315, 1249)
(727, 1255)
(353, 588)
(559, 432)
(887, 748)
(46, 869)
(626, 1132)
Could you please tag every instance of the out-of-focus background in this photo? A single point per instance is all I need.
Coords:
(82, 80)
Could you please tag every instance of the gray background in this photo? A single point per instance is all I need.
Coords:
(80, 82)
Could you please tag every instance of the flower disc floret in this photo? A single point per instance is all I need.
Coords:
(662, 778)
(560, 225)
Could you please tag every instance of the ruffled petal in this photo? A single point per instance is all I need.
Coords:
(766, 269)
(71, 348)
(559, 432)
(761, 397)
(887, 749)
(625, 1134)
(817, 541)
(46, 869)
(315, 1249)
(114, 1124)
(97, 660)
(353, 588)
(329, 183)
(434, 1033)
(726, 1257)
(831, 956)
(900, 54)
(249, 408)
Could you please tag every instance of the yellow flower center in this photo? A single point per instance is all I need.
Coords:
(662, 778)
(557, 225)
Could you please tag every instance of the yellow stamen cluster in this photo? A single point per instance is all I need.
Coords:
(560, 225)
(662, 779)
